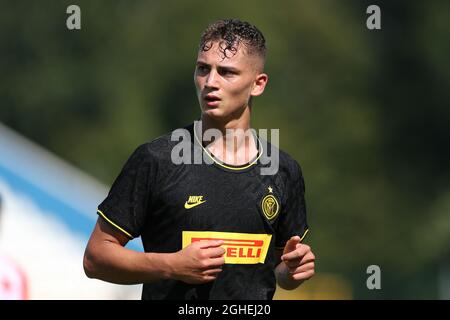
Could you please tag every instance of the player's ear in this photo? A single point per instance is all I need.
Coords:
(259, 84)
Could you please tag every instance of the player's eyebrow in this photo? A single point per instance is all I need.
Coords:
(201, 63)
(223, 67)
(229, 68)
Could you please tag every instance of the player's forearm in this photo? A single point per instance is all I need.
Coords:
(284, 277)
(114, 263)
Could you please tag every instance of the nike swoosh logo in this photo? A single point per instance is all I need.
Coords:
(191, 205)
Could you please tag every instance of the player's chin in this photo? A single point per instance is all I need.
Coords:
(215, 112)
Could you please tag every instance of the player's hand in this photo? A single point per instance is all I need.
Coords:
(299, 259)
(200, 262)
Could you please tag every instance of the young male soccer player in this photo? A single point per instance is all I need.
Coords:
(209, 231)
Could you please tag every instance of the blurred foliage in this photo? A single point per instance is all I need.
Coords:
(366, 113)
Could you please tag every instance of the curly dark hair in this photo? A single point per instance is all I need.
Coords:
(231, 33)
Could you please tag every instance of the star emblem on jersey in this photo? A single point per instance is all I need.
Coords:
(193, 201)
(270, 189)
(270, 206)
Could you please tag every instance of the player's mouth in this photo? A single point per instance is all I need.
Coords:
(212, 100)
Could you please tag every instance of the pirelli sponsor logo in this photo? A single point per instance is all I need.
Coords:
(241, 248)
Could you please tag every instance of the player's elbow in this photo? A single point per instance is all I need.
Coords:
(89, 265)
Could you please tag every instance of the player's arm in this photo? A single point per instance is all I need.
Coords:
(107, 259)
(295, 264)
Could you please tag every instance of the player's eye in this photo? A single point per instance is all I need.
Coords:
(202, 69)
(226, 72)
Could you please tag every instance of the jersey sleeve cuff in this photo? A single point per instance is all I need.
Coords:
(301, 239)
(115, 225)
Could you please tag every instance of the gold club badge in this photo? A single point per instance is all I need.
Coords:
(270, 206)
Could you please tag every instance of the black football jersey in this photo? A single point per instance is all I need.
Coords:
(171, 205)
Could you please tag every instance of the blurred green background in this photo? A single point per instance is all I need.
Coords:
(366, 113)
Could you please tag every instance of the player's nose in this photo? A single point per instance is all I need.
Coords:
(211, 79)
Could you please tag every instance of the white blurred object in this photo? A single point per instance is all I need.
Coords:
(50, 254)
(48, 212)
(13, 283)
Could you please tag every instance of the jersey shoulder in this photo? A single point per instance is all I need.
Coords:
(289, 164)
(160, 148)
(288, 167)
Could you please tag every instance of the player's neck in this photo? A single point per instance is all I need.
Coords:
(236, 145)
(242, 123)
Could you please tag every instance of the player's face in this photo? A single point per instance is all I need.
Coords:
(225, 85)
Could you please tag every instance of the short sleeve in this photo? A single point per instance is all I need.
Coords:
(293, 211)
(127, 202)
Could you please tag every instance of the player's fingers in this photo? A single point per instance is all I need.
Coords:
(296, 262)
(214, 252)
(300, 251)
(207, 278)
(210, 243)
(308, 257)
(293, 263)
(303, 275)
(296, 254)
(302, 268)
(215, 262)
(291, 243)
(212, 272)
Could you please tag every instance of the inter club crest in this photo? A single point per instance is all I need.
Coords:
(270, 205)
